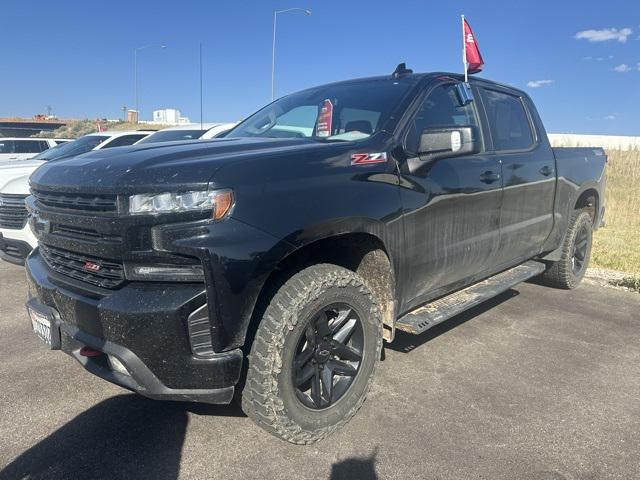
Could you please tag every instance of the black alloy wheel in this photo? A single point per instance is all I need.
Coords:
(328, 356)
(579, 256)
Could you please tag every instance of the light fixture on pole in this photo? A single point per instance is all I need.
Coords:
(273, 51)
(135, 74)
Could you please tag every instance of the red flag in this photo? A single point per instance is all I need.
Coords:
(472, 52)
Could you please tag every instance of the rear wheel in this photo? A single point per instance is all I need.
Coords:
(314, 355)
(576, 250)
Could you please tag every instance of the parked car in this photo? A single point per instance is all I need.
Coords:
(273, 262)
(16, 238)
(12, 148)
(192, 131)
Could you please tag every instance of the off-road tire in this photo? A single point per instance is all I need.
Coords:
(268, 397)
(560, 274)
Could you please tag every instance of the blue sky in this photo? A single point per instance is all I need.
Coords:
(78, 56)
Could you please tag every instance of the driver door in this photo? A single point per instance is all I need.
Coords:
(451, 205)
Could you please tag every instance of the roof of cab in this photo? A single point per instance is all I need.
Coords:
(425, 76)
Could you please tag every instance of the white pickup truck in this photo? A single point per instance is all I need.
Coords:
(16, 238)
(13, 148)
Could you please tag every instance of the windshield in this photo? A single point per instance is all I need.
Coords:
(343, 111)
(172, 135)
(76, 147)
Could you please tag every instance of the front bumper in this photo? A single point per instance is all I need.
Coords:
(144, 326)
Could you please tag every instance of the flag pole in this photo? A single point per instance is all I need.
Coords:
(464, 52)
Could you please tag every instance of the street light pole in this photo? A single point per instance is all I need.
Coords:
(273, 50)
(135, 75)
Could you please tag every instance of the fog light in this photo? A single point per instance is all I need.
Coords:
(117, 366)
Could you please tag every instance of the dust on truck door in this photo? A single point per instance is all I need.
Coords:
(528, 170)
(452, 224)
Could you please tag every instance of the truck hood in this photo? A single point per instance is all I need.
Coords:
(14, 175)
(151, 167)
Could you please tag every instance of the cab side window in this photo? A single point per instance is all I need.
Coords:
(510, 126)
(27, 146)
(6, 146)
(441, 109)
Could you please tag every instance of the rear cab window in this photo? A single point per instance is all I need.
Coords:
(124, 140)
(172, 136)
(509, 122)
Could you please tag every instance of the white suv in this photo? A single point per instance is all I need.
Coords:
(16, 238)
(12, 148)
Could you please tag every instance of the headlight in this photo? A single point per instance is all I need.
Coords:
(164, 273)
(219, 201)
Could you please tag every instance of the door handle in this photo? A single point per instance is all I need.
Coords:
(546, 170)
(489, 177)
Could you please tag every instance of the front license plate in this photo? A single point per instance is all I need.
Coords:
(44, 324)
(41, 326)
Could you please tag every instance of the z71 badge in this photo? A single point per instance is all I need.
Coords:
(368, 158)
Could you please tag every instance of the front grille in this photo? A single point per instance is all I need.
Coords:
(77, 202)
(13, 211)
(83, 268)
(84, 234)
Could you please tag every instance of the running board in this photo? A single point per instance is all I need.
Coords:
(433, 313)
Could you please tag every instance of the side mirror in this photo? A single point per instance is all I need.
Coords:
(446, 142)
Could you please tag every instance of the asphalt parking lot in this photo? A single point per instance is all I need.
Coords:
(535, 384)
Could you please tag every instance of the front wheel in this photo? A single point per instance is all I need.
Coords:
(576, 250)
(314, 355)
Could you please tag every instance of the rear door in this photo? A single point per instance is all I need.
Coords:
(452, 204)
(528, 170)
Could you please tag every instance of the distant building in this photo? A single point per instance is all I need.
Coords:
(132, 116)
(170, 116)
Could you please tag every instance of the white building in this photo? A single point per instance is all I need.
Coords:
(169, 116)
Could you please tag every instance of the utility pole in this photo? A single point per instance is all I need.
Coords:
(201, 86)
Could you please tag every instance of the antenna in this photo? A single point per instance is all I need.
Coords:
(401, 71)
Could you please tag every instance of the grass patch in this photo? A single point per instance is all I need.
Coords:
(617, 245)
(632, 283)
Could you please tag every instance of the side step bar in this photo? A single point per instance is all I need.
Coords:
(433, 313)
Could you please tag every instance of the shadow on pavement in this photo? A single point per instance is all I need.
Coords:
(355, 468)
(405, 342)
(127, 436)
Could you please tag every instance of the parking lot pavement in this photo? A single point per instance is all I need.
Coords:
(535, 384)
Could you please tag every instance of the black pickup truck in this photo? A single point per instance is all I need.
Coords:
(271, 264)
